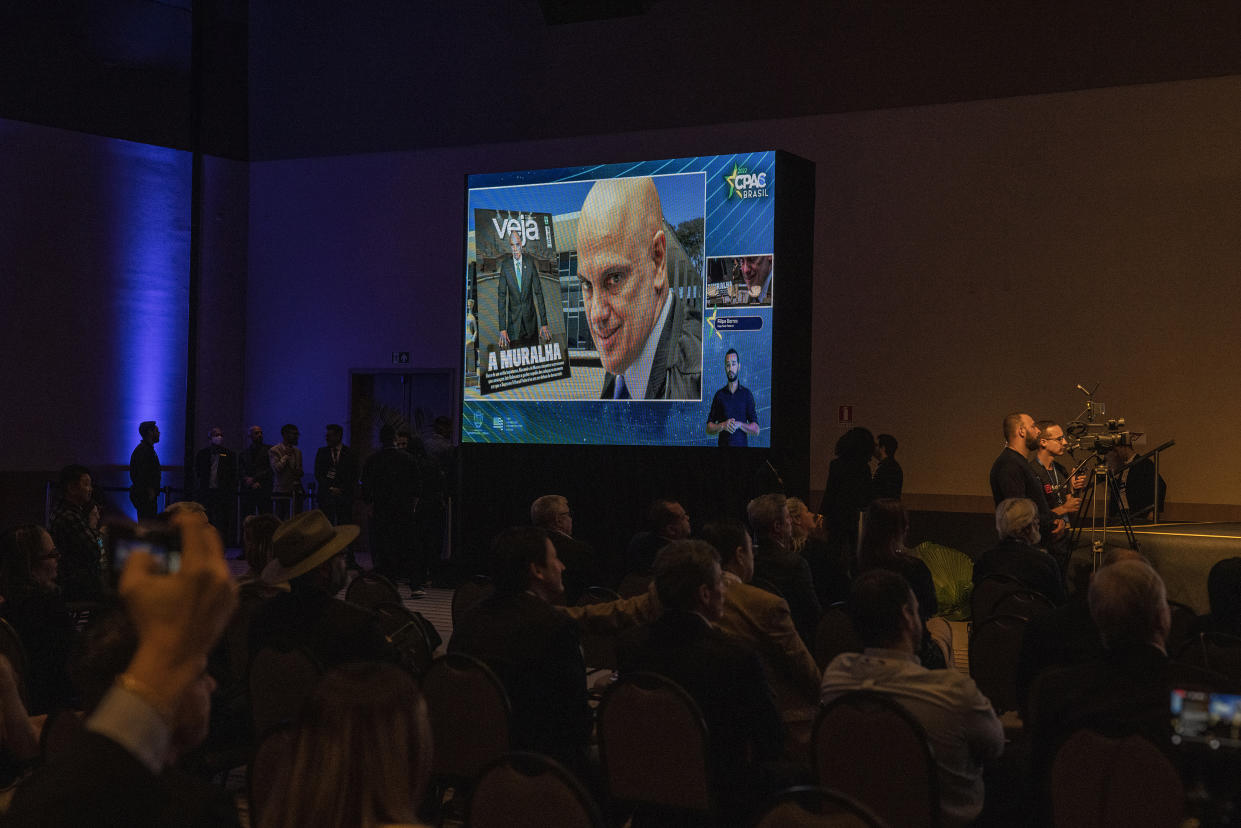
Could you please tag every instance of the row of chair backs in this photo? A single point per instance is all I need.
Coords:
(471, 717)
(1101, 782)
(468, 595)
(835, 635)
(817, 806)
(1215, 651)
(529, 790)
(892, 770)
(994, 652)
(1003, 595)
(653, 744)
(412, 636)
(370, 590)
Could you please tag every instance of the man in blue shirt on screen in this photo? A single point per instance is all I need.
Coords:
(732, 410)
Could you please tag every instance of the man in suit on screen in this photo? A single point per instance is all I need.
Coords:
(518, 291)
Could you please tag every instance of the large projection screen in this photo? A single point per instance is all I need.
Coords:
(635, 281)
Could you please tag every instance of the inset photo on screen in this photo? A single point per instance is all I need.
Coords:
(739, 280)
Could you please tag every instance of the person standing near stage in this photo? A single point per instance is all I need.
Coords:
(888, 479)
(336, 472)
(1011, 475)
(256, 474)
(215, 481)
(1062, 493)
(286, 466)
(390, 484)
(732, 414)
(144, 471)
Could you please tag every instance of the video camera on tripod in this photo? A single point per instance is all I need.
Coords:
(1098, 437)
(1114, 435)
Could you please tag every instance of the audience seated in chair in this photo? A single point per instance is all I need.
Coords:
(1224, 597)
(74, 526)
(360, 753)
(763, 623)
(1123, 692)
(581, 567)
(18, 742)
(256, 544)
(1017, 555)
(959, 722)
(883, 547)
(310, 556)
(666, 521)
(1062, 636)
(532, 647)
(32, 604)
(829, 573)
(723, 676)
(117, 774)
(776, 561)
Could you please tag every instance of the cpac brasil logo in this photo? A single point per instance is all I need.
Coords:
(744, 184)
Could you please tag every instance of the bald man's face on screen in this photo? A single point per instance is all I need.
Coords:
(622, 264)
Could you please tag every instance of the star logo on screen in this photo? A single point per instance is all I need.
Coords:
(711, 321)
(744, 184)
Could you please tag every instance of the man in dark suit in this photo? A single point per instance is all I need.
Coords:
(215, 476)
(254, 465)
(518, 291)
(336, 472)
(532, 647)
(724, 677)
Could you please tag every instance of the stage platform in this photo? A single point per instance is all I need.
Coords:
(1183, 553)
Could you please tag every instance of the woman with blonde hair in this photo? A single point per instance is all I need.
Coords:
(360, 754)
(831, 575)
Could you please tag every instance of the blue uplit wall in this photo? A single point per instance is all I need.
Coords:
(94, 268)
(150, 198)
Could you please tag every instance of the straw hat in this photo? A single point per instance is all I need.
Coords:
(303, 542)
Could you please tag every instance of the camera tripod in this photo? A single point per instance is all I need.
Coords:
(1106, 482)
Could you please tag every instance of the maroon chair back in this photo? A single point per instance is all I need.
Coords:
(891, 771)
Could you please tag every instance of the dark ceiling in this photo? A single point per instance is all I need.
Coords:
(291, 78)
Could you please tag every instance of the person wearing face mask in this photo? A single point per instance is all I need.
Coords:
(215, 480)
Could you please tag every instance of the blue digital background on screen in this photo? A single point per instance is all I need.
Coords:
(734, 197)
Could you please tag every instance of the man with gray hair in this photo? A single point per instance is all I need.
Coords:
(1018, 555)
(581, 570)
(776, 562)
(1126, 690)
